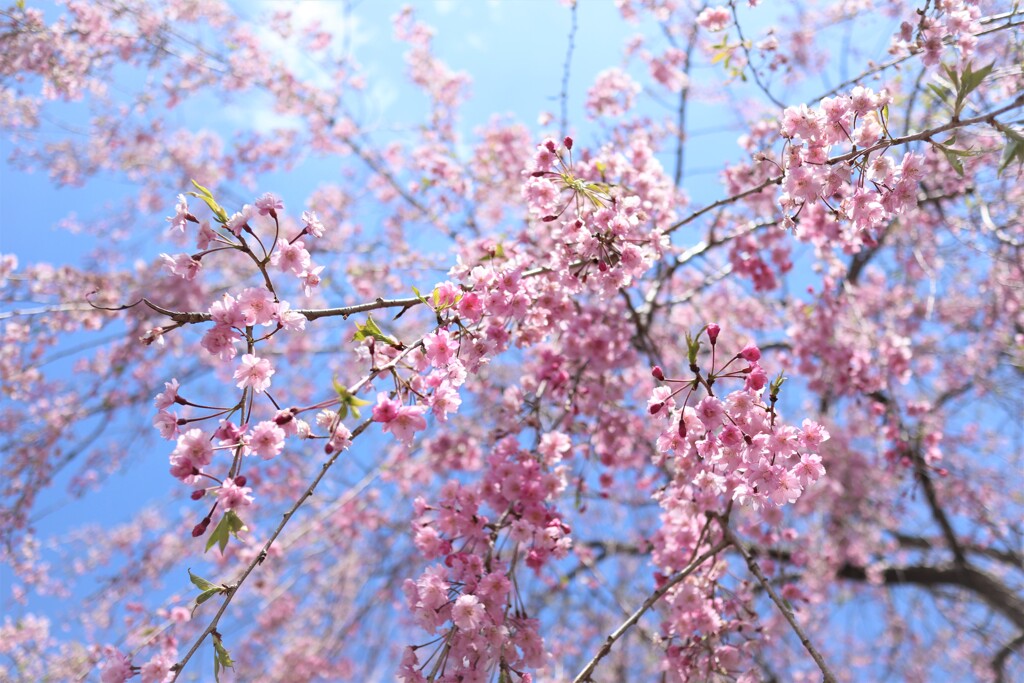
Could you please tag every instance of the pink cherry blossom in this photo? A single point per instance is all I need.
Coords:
(254, 372)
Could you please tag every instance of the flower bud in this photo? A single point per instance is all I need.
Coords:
(567, 142)
(750, 353)
(713, 331)
(198, 493)
(657, 373)
(240, 480)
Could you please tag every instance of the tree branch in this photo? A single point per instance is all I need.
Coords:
(606, 647)
(828, 676)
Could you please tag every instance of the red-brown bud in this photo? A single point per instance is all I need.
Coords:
(657, 373)
(567, 142)
(713, 331)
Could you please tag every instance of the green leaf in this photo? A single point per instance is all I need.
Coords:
(348, 400)
(1013, 151)
(972, 79)
(200, 583)
(419, 296)
(207, 196)
(954, 160)
(221, 656)
(776, 386)
(966, 82)
(692, 348)
(230, 524)
(206, 595)
(371, 330)
(940, 92)
(208, 588)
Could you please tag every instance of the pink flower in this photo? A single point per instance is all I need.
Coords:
(254, 372)
(444, 400)
(468, 613)
(470, 307)
(226, 312)
(116, 667)
(166, 398)
(757, 378)
(310, 279)
(408, 421)
(711, 412)
(181, 215)
(612, 94)
(232, 497)
(288, 319)
(266, 439)
(194, 445)
(386, 409)
(312, 224)
(182, 265)
(293, 257)
(256, 306)
(167, 424)
(439, 347)
(714, 18)
(220, 340)
(269, 204)
(239, 220)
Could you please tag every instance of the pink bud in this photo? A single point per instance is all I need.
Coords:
(750, 353)
(198, 493)
(548, 219)
(567, 142)
(240, 480)
(656, 408)
(713, 331)
(657, 373)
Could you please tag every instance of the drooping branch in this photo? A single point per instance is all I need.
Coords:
(787, 613)
(588, 670)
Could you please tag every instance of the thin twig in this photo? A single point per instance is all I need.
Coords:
(606, 647)
(729, 536)
(566, 67)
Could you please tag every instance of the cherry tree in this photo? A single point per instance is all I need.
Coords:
(524, 401)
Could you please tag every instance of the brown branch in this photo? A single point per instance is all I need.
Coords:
(998, 596)
(827, 675)
(587, 671)
(999, 661)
